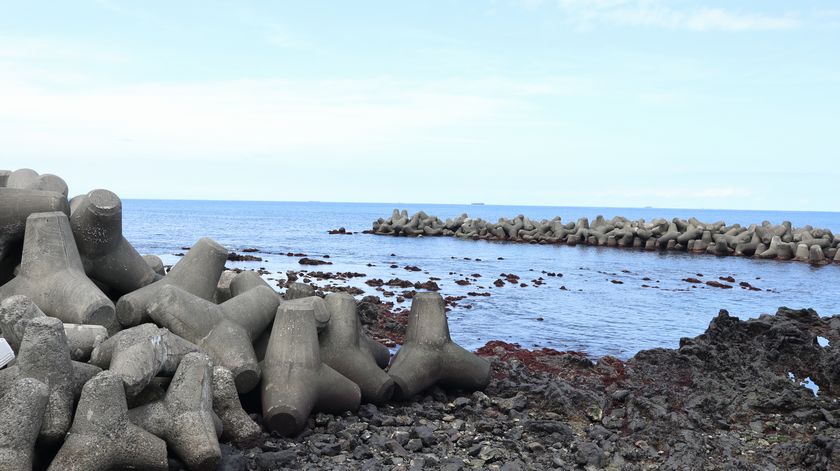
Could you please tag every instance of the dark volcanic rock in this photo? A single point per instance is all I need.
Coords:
(427, 285)
(722, 400)
(235, 257)
(400, 283)
(313, 261)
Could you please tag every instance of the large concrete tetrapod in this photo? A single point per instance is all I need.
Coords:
(314, 304)
(343, 349)
(295, 381)
(44, 356)
(21, 413)
(102, 438)
(51, 274)
(197, 273)
(80, 374)
(16, 310)
(140, 353)
(184, 417)
(15, 206)
(96, 220)
(225, 331)
(237, 425)
(28, 179)
(429, 356)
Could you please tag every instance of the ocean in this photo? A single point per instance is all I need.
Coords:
(592, 314)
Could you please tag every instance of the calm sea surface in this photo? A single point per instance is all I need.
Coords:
(593, 314)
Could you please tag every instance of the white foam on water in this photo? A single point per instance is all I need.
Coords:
(822, 341)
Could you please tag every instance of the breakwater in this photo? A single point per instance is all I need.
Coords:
(764, 240)
(120, 363)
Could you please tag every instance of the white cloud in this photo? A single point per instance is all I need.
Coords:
(656, 13)
(250, 117)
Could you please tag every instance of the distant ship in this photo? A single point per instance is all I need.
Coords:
(477, 204)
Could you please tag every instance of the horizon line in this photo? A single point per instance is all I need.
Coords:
(477, 204)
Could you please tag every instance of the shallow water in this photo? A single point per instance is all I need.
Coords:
(594, 315)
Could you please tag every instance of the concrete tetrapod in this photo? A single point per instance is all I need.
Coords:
(344, 350)
(28, 179)
(102, 438)
(52, 275)
(295, 381)
(16, 310)
(155, 263)
(223, 287)
(225, 331)
(140, 353)
(16, 205)
(429, 356)
(21, 413)
(197, 273)
(184, 417)
(237, 426)
(314, 304)
(298, 290)
(96, 220)
(80, 373)
(44, 356)
(240, 283)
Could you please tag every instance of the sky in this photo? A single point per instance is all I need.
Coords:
(623, 103)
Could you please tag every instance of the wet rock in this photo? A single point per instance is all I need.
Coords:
(235, 257)
(313, 261)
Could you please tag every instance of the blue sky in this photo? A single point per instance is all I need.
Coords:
(567, 102)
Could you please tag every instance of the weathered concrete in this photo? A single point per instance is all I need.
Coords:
(82, 339)
(141, 353)
(21, 414)
(28, 179)
(16, 310)
(343, 349)
(96, 220)
(314, 304)
(429, 356)
(52, 275)
(102, 438)
(15, 206)
(44, 356)
(197, 273)
(184, 417)
(80, 374)
(223, 287)
(299, 290)
(295, 381)
(237, 426)
(246, 281)
(155, 263)
(226, 331)
(380, 352)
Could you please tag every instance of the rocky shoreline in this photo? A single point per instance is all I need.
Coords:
(764, 241)
(122, 362)
(723, 400)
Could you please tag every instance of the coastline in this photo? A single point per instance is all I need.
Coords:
(722, 399)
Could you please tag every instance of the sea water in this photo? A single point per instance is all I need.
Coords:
(593, 314)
